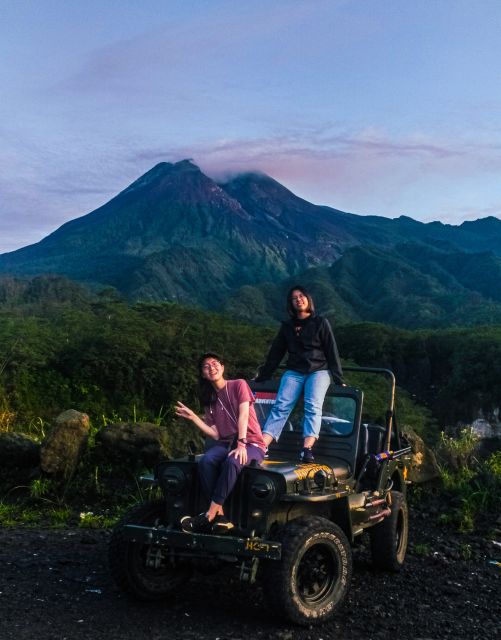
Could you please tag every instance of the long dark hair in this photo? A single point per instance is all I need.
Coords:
(290, 308)
(206, 393)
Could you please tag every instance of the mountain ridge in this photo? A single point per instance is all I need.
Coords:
(176, 234)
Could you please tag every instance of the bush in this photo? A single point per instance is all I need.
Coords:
(458, 453)
(472, 488)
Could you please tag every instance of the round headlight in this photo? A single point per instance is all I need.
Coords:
(320, 478)
(173, 481)
(263, 488)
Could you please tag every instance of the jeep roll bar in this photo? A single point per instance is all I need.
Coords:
(390, 413)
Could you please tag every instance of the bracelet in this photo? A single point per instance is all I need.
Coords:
(242, 444)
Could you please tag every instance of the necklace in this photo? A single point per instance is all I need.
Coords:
(232, 417)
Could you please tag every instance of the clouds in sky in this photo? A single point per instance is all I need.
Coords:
(382, 108)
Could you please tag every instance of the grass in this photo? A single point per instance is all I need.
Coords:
(37, 429)
(14, 515)
(422, 550)
(459, 451)
(60, 517)
(472, 487)
(91, 520)
(33, 515)
(95, 497)
(40, 488)
(494, 464)
(134, 417)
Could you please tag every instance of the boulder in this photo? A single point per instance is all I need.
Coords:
(484, 429)
(63, 447)
(135, 441)
(424, 466)
(18, 451)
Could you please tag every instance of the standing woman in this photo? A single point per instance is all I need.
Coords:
(308, 340)
(229, 418)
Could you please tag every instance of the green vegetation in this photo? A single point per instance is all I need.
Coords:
(22, 512)
(111, 359)
(472, 487)
(455, 373)
(121, 362)
(90, 520)
(422, 549)
(409, 285)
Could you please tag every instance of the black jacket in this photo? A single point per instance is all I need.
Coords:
(313, 349)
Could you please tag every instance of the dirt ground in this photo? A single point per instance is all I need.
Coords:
(55, 584)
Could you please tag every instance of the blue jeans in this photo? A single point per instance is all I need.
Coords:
(314, 385)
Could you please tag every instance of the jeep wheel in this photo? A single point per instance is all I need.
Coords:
(389, 537)
(142, 569)
(310, 582)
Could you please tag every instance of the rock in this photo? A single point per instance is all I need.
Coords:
(17, 451)
(141, 441)
(62, 448)
(484, 429)
(423, 467)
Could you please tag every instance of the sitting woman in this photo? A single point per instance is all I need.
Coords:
(231, 420)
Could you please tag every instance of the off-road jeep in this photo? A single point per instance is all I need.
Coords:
(294, 523)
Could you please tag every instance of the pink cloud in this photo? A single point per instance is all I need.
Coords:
(366, 171)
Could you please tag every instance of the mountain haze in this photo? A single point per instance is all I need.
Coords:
(175, 234)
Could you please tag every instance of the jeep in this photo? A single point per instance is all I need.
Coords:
(294, 523)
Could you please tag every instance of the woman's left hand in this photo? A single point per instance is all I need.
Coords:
(240, 454)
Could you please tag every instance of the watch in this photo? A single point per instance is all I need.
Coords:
(242, 440)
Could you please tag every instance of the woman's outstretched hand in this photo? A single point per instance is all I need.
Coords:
(182, 411)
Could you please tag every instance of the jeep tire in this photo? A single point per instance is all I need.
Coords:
(141, 569)
(310, 582)
(389, 537)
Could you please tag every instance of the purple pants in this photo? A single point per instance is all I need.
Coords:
(218, 472)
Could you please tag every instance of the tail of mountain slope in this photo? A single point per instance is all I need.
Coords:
(409, 286)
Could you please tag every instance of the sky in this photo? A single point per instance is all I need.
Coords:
(386, 107)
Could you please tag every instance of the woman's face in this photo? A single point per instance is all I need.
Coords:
(299, 301)
(212, 369)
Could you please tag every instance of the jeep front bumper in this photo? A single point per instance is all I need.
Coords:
(198, 544)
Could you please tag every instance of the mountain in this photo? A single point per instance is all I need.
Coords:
(408, 285)
(175, 234)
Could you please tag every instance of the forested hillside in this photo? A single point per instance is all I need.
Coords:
(409, 286)
(104, 356)
(454, 372)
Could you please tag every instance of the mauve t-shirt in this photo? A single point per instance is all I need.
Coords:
(223, 413)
